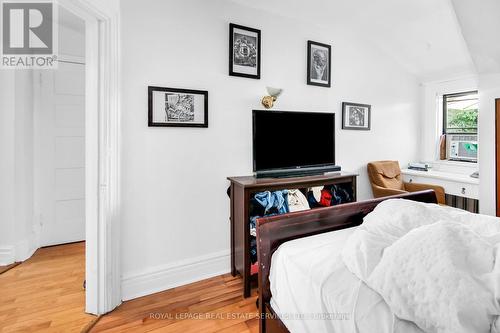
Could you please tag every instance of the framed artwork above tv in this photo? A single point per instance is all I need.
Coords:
(319, 64)
(244, 51)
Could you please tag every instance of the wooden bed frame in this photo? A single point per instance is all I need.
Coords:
(276, 230)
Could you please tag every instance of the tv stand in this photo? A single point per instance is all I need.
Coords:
(241, 191)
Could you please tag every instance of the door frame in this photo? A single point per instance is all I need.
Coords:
(497, 155)
(102, 155)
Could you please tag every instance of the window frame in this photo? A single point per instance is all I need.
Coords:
(445, 112)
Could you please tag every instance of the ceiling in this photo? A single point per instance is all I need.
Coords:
(70, 20)
(422, 36)
(481, 30)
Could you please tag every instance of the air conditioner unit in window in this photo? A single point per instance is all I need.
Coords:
(462, 147)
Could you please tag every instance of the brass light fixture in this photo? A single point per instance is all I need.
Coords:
(268, 101)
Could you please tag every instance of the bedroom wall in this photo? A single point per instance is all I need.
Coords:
(481, 38)
(175, 226)
(489, 90)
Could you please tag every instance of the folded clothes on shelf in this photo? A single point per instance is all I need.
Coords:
(297, 201)
(277, 200)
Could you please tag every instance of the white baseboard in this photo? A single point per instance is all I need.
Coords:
(173, 275)
(7, 255)
(19, 252)
(26, 248)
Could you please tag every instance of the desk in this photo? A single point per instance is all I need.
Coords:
(457, 184)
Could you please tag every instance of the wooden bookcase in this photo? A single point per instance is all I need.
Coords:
(241, 191)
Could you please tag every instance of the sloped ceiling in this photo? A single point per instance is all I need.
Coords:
(70, 20)
(422, 36)
(480, 24)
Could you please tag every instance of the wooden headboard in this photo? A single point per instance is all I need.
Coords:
(276, 230)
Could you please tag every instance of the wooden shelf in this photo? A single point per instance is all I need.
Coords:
(241, 191)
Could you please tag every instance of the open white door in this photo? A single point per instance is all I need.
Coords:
(60, 145)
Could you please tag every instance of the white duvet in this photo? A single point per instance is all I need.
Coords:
(434, 266)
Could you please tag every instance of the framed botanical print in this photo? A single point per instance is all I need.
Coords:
(319, 61)
(356, 116)
(177, 107)
(244, 51)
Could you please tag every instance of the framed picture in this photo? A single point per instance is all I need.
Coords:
(244, 51)
(177, 107)
(356, 116)
(319, 64)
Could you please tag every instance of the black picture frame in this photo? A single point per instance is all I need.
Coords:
(349, 123)
(314, 81)
(185, 123)
(232, 71)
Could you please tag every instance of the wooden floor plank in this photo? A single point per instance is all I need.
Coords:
(45, 294)
(4, 269)
(213, 305)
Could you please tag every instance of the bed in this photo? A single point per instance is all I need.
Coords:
(304, 285)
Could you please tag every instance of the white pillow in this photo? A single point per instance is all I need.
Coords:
(392, 219)
(442, 277)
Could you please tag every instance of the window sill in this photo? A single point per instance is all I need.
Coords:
(465, 168)
(456, 163)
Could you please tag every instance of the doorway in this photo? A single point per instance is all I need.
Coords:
(59, 127)
(99, 164)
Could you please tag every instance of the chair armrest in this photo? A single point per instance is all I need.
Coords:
(415, 187)
(379, 191)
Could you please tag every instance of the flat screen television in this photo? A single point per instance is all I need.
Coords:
(287, 143)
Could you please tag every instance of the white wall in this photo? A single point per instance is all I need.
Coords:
(175, 208)
(16, 194)
(489, 90)
(26, 239)
(7, 106)
(481, 36)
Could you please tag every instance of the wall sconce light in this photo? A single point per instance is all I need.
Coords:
(268, 101)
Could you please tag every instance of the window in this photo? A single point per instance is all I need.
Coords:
(460, 113)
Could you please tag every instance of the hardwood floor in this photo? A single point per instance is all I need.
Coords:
(213, 305)
(4, 269)
(45, 294)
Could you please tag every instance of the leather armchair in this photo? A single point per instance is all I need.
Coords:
(386, 180)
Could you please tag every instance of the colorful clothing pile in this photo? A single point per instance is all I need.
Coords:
(271, 203)
(329, 195)
(265, 204)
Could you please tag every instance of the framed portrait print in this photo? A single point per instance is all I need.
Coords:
(177, 107)
(356, 116)
(319, 61)
(244, 51)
